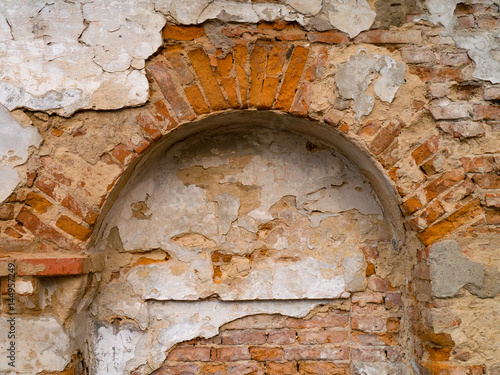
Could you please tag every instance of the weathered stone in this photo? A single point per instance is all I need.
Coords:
(352, 17)
(451, 270)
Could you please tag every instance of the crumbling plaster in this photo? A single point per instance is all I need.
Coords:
(60, 56)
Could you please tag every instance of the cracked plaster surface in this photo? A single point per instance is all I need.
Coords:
(355, 76)
(247, 217)
(482, 46)
(61, 56)
(43, 342)
(15, 141)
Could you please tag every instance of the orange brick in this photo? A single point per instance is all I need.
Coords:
(160, 112)
(438, 354)
(209, 84)
(385, 137)
(432, 212)
(329, 37)
(182, 109)
(370, 128)
(232, 353)
(182, 32)
(240, 59)
(292, 77)
(276, 60)
(328, 336)
(262, 353)
(426, 149)
(195, 98)
(258, 59)
(72, 227)
(438, 73)
(443, 183)
(42, 230)
(281, 337)
(225, 65)
(229, 86)
(440, 229)
(323, 368)
(123, 154)
(286, 368)
(411, 206)
(269, 89)
(38, 202)
(149, 130)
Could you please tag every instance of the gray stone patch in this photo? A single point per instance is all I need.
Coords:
(357, 73)
(379, 368)
(491, 284)
(451, 270)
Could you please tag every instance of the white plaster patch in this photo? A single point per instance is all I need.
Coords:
(61, 56)
(15, 141)
(352, 17)
(42, 344)
(357, 73)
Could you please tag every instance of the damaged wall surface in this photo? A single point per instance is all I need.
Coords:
(250, 187)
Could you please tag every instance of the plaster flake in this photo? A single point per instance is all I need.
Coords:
(42, 344)
(309, 7)
(15, 141)
(55, 62)
(351, 17)
(356, 74)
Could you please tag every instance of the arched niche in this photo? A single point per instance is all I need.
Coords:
(238, 214)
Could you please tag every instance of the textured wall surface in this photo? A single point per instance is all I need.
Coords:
(347, 224)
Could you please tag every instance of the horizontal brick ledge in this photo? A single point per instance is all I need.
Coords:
(52, 264)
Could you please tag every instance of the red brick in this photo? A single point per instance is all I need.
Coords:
(205, 75)
(195, 98)
(302, 100)
(370, 128)
(364, 298)
(42, 230)
(487, 180)
(438, 73)
(368, 323)
(262, 353)
(73, 228)
(233, 337)
(492, 200)
(323, 352)
(390, 37)
(317, 67)
(232, 353)
(176, 32)
(385, 137)
(417, 55)
(189, 354)
(6, 212)
(377, 284)
(333, 320)
(368, 355)
(50, 266)
(292, 77)
(159, 71)
(492, 93)
(435, 163)
(477, 164)
(329, 37)
(488, 22)
(375, 339)
(149, 130)
(367, 309)
(240, 58)
(444, 110)
(52, 167)
(178, 63)
(281, 337)
(160, 112)
(455, 59)
(443, 183)
(326, 336)
(486, 112)
(440, 229)
(460, 191)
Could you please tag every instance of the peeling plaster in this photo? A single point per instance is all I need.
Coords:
(360, 70)
(15, 141)
(481, 46)
(60, 56)
(42, 344)
(119, 350)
